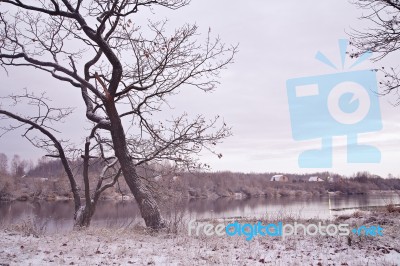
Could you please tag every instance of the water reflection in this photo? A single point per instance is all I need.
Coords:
(58, 215)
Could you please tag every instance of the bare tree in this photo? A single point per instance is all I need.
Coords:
(56, 148)
(18, 166)
(96, 47)
(382, 37)
(3, 163)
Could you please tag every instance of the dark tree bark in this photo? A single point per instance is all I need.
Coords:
(147, 204)
(83, 217)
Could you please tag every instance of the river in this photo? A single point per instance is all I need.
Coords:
(57, 215)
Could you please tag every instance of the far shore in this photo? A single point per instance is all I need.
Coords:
(234, 196)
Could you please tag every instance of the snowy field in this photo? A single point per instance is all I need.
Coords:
(137, 246)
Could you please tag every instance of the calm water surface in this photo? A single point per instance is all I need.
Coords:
(57, 216)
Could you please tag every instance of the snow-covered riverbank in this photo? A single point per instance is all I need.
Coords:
(137, 246)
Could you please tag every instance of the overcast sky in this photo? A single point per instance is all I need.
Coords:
(277, 41)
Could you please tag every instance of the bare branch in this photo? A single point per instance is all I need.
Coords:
(382, 38)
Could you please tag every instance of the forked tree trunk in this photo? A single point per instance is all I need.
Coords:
(83, 217)
(147, 203)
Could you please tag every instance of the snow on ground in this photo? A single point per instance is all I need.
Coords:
(137, 246)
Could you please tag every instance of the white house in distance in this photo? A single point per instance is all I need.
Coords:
(315, 179)
(280, 178)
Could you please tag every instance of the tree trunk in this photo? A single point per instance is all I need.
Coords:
(83, 216)
(148, 206)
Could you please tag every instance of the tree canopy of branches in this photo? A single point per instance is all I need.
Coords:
(382, 37)
(125, 75)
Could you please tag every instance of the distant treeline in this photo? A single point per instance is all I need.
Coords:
(230, 184)
(171, 183)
